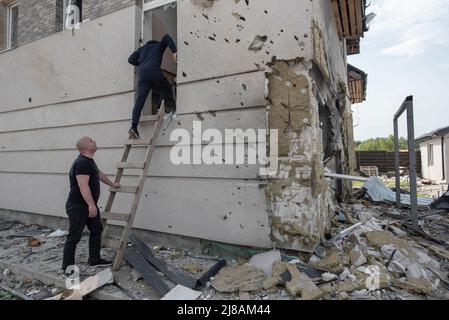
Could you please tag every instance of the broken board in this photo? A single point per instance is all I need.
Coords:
(177, 276)
(89, 285)
(148, 273)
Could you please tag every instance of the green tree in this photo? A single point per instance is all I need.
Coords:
(381, 144)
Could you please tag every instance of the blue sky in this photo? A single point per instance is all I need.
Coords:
(405, 52)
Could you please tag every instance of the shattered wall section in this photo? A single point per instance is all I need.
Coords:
(299, 197)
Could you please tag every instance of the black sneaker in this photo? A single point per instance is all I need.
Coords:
(100, 263)
(134, 133)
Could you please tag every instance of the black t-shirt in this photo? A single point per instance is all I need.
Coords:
(83, 166)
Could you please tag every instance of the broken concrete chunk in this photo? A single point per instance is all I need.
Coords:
(240, 278)
(381, 238)
(270, 283)
(333, 263)
(265, 261)
(302, 286)
(329, 277)
(357, 257)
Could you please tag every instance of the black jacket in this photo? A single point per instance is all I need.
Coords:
(149, 56)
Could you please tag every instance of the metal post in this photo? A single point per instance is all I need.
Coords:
(412, 161)
(397, 164)
(407, 106)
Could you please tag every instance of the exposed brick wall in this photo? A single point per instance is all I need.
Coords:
(41, 18)
(37, 19)
(93, 9)
(2, 27)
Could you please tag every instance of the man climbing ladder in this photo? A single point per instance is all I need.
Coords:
(149, 58)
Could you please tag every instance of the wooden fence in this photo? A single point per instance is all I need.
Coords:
(385, 160)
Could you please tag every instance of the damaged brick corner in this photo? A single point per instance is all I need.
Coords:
(299, 198)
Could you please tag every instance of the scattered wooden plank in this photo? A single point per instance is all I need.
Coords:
(148, 273)
(181, 293)
(78, 291)
(177, 276)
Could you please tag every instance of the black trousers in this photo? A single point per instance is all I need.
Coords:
(78, 218)
(152, 80)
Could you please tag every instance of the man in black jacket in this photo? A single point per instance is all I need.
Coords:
(149, 58)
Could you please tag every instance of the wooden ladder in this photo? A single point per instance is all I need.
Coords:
(121, 244)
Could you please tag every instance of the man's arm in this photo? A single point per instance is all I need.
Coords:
(83, 183)
(104, 178)
(168, 41)
(134, 58)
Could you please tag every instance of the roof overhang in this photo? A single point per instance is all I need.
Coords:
(350, 19)
(357, 83)
(434, 134)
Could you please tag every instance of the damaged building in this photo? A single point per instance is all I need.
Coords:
(242, 64)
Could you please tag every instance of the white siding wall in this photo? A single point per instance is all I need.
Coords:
(82, 85)
(432, 172)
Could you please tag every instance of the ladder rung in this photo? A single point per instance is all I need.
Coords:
(153, 117)
(130, 165)
(111, 243)
(115, 216)
(138, 142)
(124, 189)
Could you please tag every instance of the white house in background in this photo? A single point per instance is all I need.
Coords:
(434, 148)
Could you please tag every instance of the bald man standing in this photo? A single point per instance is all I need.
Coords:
(81, 205)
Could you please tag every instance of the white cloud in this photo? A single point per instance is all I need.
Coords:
(418, 25)
(444, 65)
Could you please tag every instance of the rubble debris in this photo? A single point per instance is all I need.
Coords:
(149, 274)
(32, 242)
(378, 192)
(244, 296)
(58, 233)
(192, 267)
(333, 263)
(205, 277)
(441, 203)
(265, 260)
(240, 278)
(16, 293)
(301, 285)
(28, 234)
(174, 274)
(357, 257)
(181, 293)
(6, 225)
(328, 277)
(87, 286)
(381, 238)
